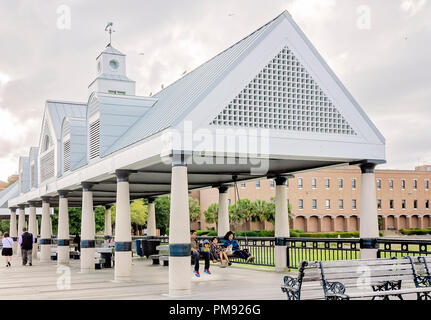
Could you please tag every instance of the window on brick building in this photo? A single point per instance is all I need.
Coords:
(415, 204)
(353, 184)
(415, 184)
(301, 204)
(379, 204)
(379, 184)
(341, 204)
(354, 205)
(272, 183)
(403, 184)
(327, 183)
(314, 183)
(243, 185)
(391, 184)
(258, 184)
(391, 204)
(314, 204)
(403, 204)
(427, 204)
(340, 183)
(328, 204)
(300, 183)
(427, 184)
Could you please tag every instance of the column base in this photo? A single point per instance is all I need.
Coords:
(179, 276)
(45, 253)
(368, 254)
(123, 266)
(280, 258)
(87, 260)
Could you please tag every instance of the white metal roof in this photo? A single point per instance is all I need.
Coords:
(60, 109)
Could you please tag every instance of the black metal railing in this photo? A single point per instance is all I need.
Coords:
(313, 249)
(262, 249)
(310, 249)
(398, 248)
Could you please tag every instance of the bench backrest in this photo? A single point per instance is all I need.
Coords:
(348, 276)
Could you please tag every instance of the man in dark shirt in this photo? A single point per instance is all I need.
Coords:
(26, 241)
(196, 254)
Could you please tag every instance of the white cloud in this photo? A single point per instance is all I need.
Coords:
(413, 6)
(310, 8)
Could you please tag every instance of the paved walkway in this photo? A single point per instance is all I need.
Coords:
(48, 281)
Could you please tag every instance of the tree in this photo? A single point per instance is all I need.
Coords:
(194, 210)
(162, 207)
(211, 214)
(4, 226)
(263, 211)
(240, 211)
(139, 214)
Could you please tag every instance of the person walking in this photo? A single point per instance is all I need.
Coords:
(7, 250)
(26, 241)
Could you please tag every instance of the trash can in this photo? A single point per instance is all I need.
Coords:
(139, 250)
(149, 247)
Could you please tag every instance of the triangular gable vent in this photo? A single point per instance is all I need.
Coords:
(284, 96)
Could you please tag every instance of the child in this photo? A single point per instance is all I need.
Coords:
(218, 252)
(206, 251)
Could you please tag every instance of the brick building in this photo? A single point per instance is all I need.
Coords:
(329, 200)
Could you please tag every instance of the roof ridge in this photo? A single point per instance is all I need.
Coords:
(121, 143)
(220, 53)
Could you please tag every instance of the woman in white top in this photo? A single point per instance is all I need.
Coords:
(7, 248)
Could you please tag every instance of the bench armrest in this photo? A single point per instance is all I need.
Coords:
(291, 283)
(423, 281)
(334, 289)
(292, 288)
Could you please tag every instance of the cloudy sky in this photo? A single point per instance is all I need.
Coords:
(379, 49)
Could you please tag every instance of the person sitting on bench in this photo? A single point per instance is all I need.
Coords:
(229, 240)
(219, 252)
(196, 254)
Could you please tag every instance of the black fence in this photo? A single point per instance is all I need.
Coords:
(300, 249)
(398, 248)
(311, 249)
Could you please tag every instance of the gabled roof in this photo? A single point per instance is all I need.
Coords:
(111, 50)
(10, 192)
(58, 110)
(176, 100)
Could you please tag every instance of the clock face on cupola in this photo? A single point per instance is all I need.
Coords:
(111, 73)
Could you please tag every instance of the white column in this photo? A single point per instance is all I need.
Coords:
(151, 224)
(369, 225)
(13, 229)
(32, 226)
(179, 231)
(223, 225)
(21, 225)
(282, 229)
(123, 237)
(88, 230)
(45, 232)
(108, 223)
(63, 230)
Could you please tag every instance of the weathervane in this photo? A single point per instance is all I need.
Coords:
(110, 30)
